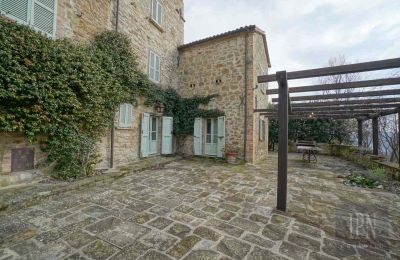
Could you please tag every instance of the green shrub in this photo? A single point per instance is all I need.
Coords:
(361, 181)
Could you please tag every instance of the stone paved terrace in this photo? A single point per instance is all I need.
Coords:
(202, 209)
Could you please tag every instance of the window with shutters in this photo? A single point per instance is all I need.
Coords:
(156, 12)
(154, 67)
(125, 115)
(39, 14)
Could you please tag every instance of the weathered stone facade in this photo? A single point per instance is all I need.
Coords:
(212, 66)
(81, 20)
(218, 66)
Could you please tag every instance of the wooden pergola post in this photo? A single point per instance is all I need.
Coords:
(360, 132)
(398, 136)
(283, 109)
(375, 136)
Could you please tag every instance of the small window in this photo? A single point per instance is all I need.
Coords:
(156, 12)
(154, 67)
(262, 130)
(39, 14)
(125, 115)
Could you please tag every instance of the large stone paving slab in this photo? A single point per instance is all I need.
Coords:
(203, 209)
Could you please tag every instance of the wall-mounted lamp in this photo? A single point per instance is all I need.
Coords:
(159, 107)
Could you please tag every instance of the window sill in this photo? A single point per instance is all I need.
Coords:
(159, 27)
(158, 83)
(124, 127)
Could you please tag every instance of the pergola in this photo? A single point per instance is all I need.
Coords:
(368, 105)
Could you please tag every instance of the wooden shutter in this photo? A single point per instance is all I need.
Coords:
(154, 10)
(167, 125)
(197, 136)
(18, 10)
(151, 65)
(44, 16)
(159, 13)
(144, 143)
(129, 115)
(157, 68)
(221, 137)
(125, 115)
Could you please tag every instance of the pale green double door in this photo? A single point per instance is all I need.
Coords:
(209, 136)
(151, 134)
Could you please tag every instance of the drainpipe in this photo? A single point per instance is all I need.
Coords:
(112, 121)
(245, 92)
(117, 16)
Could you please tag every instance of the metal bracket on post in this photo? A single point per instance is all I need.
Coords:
(283, 109)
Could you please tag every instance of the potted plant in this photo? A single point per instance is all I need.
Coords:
(231, 155)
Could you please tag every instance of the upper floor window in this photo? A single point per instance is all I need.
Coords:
(125, 115)
(39, 14)
(156, 11)
(154, 67)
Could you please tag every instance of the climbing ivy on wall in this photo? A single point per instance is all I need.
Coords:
(183, 110)
(69, 92)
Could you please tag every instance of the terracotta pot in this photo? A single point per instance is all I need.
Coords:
(231, 157)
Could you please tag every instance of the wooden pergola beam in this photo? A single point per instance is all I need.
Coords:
(338, 112)
(339, 86)
(388, 92)
(275, 116)
(376, 108)
(335, 70)
(346, 102)
(347, 108)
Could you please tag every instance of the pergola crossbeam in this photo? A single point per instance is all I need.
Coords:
(339, 86)
(335, 70)
(346, 102)
(352, 108)
(388, 92)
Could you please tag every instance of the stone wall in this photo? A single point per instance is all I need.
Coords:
(81, 20)
(260, 98)
(10, 141)
(145, 35)
(222, 59)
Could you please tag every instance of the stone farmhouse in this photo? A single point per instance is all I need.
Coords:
(226, 64)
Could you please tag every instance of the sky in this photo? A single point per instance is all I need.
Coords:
(304, 34)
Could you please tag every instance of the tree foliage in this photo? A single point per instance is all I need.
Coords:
(319, 130)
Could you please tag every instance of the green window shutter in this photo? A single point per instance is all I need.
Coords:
(159, 13)
(122, 116)
(221, 137)
(144, 140)
(129, 115)
(157, 69)
(18, 10)
(44, 16)
(198, 136)
(154, 10)
(167, 124)
(125, 115)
